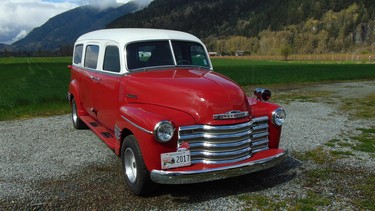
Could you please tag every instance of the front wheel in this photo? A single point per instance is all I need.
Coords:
(137, 177)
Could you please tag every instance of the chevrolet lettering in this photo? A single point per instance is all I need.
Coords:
(231, 115)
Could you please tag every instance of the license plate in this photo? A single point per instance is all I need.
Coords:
(175, 159)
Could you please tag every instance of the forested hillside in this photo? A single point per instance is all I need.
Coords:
(59, 33)
(265, 26)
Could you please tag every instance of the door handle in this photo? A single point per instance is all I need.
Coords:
(95, 78)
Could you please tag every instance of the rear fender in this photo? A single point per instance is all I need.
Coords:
(73, 91)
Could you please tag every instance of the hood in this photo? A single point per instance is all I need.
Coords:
(200, 93)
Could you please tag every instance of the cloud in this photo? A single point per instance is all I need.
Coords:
(100, 3)
(103, 4)
(18, 17)
(143, 3)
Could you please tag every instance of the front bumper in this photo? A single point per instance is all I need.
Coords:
(205, 175)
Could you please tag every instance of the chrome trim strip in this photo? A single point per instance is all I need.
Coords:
(260, 119)
(204, 175)
(217, 128)
(260, 142)
(137, 126)
(220, 145)
(221, 162)
(260, 149)
(117, 132)
(260, 127)
(208, 154)
(259, 135)
(211, 136)
(69, 96)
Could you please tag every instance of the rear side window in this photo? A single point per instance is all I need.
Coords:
(112, 59)
(91, 56)
(78, 54)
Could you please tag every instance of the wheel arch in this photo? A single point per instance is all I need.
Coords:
(73, 93)
(123, 134)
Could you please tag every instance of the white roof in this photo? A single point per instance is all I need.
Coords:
(127, 35)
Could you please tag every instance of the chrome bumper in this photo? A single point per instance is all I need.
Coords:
(187, 177)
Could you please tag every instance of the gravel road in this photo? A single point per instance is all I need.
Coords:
(46, 164)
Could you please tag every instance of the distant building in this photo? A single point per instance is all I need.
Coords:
(239, 53)
(213, 54)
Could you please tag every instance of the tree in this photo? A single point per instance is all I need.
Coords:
(286, 50)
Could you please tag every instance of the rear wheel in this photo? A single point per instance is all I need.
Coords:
(137, 177)
(77, 122)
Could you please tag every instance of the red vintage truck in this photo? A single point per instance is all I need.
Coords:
(152, 96)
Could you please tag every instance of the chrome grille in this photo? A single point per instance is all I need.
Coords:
(226, 143)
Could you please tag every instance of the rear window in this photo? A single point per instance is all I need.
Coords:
(78, 50)
(91, 56)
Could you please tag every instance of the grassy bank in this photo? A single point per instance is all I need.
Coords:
(32, 87)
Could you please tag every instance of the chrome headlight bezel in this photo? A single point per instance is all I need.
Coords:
(278, 117)
(164, 131)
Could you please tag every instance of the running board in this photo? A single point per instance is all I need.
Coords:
(105, 135)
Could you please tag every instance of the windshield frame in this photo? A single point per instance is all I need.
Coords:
(172, 51)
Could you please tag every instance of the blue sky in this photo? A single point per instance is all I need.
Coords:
(19, 17)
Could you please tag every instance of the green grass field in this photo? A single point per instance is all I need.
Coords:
(254, 72)
(32, 87)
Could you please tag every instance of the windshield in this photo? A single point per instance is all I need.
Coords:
(159, 53)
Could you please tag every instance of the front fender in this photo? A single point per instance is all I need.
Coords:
(141, 120)
(261, 108)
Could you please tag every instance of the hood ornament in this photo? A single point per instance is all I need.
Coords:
(231, 115)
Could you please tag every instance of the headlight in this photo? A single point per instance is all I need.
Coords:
(278, 116)
(164, 131)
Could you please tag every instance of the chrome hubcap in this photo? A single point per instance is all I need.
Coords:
(130, 165)
(74, 112)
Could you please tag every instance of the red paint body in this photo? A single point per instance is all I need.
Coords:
(184, 96)
(152, 97)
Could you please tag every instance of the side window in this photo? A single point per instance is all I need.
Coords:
(91, 56)
(78, 50)
(198, 55)
(112, 59)
(190, 53)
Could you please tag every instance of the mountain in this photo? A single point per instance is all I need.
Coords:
(250, 26)
(3, 49)
(264, 26)
(65, 28)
